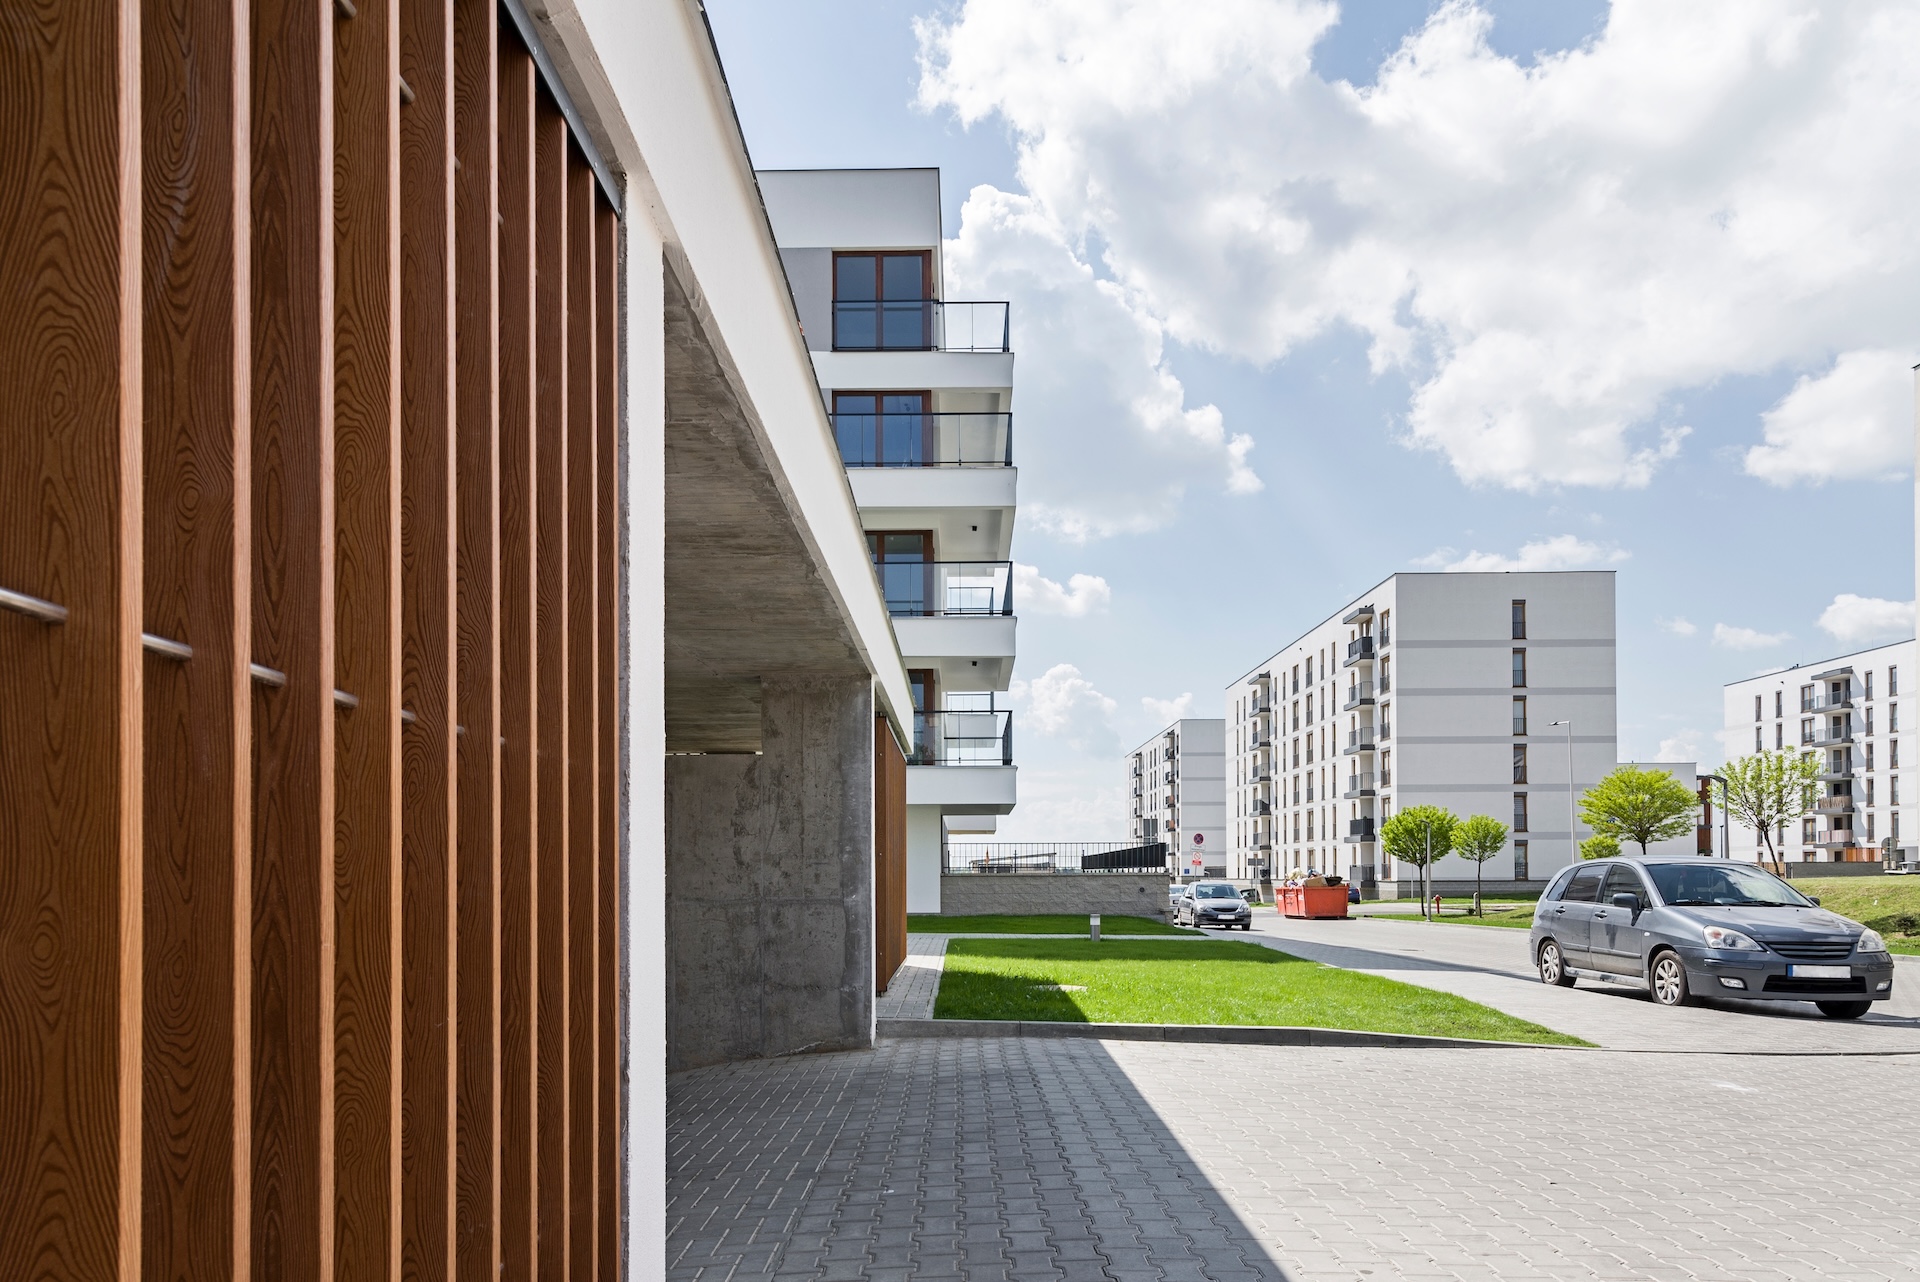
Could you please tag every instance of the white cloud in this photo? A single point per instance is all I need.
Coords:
(1034, 593)
(1678, 626)
(1746, 638)
(1853, 422)
(1163, 712)
(1063, 704)
(1103, 430)
(1681, 746)
(1562, 552)
(1854, 619)
(1080, 802)
(1550, 252)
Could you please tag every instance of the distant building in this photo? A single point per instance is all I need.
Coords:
(1444, 689)
(1848, 711)
(1696, 841)
(1178, 795)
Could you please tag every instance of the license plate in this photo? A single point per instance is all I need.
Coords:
(1819, 972)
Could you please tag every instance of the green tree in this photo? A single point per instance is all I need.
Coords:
(1768, 790)
(1599, 846)
(1479, 838)
(1641, 806)
(1419, 835)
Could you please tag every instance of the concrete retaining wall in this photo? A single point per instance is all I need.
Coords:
(1117, 893)
(1801, 869)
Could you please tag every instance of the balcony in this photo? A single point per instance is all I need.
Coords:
(1359, 695)
(1359, 650)
(1384, 732)
(1834, 805)
(1360, 830)
(924, 439)
(1359, 785)
(1260, 679)
(939, 589)
(920, 325)
(963, 737)
(1261, 808)
(1829, 737)
(1828, 703)
(1833, 839)
(1358, 741)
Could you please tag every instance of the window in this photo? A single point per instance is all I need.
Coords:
(1756, 707)
(1520, 714)
(901, 559)
(1519, 861)
(1519, 763)
(1869, 756)
(1519, 668)
(1869, 690)
(1386, 627)
(1296, 752)
(1893, 827)
(1806, 730)
(1622, 880)
(1869, 828)
(1296, 714)
(1519, 812)
(1869, 720)
(1806, 698)
(1309, 709)
(1893, 718)
(1870, 791)
(1296, 825)
(1893, 682)
(1893, 791)
(1386, 769)
(1309, 785)
(1519, 620)
(1806, 830)
(1309, 677)
(884, 429)
(1757, 745)
(1309, 820)
(1778, 700)
(1893, 754)
(1778, 736)
(880, 301)
(1584, 888)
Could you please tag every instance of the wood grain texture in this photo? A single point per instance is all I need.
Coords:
(583, 741)
(554, 710)
(889, 854)
(70, 532)
(609, 1132)
(427, 500)
(519, 729)
(476, 31)
(367, 869)
(290, 1183)
(197, 572)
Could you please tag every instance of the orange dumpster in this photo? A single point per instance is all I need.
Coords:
(1312, 901)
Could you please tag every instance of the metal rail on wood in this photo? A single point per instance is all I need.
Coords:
(312, 345)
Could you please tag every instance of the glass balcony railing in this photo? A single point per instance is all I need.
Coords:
(915, 439)
(931, 589)
(1360, 830)
(1360, 784)
(920, 325)
(1826, 736)
(1359, 650)
(1359, 741)
(963, 737)
(1359, 695)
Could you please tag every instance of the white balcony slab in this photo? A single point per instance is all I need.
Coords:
(970, 652)
(963, 790)
(911, 488)
(934, 371)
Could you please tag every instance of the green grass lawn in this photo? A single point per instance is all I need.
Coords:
(1038, 924)
(1520, 917)
(1891, 905)
(1145, 981)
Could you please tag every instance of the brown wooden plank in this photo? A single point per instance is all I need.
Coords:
(519, 730)
(290, 1014)
(476, 28)
(366, 882)
(70, 533)
(554, 704)
(427, 782)
(608, 1128)
(198, 570)
(583, 781)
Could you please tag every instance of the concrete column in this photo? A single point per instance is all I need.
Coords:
(770, 883)
(923, 859)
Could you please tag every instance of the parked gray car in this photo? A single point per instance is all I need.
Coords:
(1213, 903)
(1688, 927)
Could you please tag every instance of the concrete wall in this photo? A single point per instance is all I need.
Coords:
(769, 901)
(1120, 894)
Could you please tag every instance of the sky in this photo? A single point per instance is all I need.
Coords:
(1307, 293)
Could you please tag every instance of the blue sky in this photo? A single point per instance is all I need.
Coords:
(1599, 392)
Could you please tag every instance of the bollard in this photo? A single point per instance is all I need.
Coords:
(1093, 927)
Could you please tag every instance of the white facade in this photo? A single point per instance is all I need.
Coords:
(1687, 775)
(1848, 710)
(1428, 689)
(1177, 791)
(918, 391)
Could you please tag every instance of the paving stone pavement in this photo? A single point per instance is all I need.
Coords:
(1014, 1159)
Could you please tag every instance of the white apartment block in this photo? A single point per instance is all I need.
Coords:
(1177, 782)
(918, 390)
(1848, 711)
(1481, 693)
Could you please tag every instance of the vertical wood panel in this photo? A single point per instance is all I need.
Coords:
(366, 880)
(70, 532)
(608, 1133)
(889, 854)
(553, 706)
(197, 573)
(477, 1207)
(583, 744)
(290, 1187)
(519, 729)
(427, 502)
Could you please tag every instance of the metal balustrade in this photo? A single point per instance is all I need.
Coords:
(1014, 857)
(923, 439)
(930, 589)
(982, 737)
(920, 325)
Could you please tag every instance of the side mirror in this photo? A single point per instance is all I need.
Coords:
(1630, 902)
(1815, 899)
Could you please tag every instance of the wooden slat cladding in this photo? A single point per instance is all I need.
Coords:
(889, 854)
(308, 921)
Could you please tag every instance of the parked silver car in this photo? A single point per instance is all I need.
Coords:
(1212, 903)
(1688, 927)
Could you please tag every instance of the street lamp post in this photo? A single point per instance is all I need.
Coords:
(1573, 844)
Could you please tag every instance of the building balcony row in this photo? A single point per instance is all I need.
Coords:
(915, 439)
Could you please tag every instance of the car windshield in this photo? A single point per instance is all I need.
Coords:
(1722, 885)
(1217, 892)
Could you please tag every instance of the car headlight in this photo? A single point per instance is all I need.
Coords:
(1870, 942)
(1729, 940)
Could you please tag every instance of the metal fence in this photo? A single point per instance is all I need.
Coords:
(1054, 857)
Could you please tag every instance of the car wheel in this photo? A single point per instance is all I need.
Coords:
(1668, 980)
(1844, 1010)
(1553, 967)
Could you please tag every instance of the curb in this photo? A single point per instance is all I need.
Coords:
(1228, 1034)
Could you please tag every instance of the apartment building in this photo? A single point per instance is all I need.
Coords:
(1483, 693)
(918, 390)
(1176, 784)
(1847, 710)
